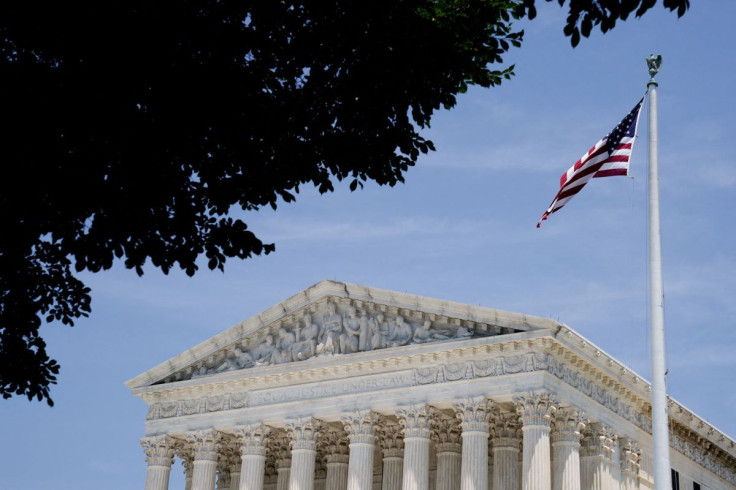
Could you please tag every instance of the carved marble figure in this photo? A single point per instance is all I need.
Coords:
(329, 337)
(425, 333)
(379, 331)
(349, 340)
(401, 333)
(306, 344)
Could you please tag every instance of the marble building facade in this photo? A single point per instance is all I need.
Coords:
(344, 387)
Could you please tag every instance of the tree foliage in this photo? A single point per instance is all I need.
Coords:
(133, 128)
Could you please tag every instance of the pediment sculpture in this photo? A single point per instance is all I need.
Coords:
(328, 331)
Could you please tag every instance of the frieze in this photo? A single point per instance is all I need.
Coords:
(609, 400)
(232, 401)
(330, 330)
(591, 389)
(524, 363)
(701, 456)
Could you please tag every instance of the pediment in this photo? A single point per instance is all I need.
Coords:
(336, 319)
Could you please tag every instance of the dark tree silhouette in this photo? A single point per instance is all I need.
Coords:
(132, 128)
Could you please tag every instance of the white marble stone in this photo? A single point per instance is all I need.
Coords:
(416, 421)
(338, 348)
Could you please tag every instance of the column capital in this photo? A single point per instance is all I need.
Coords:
(304, 432)
(536, 409)
(186, 453)
(598, 441)
(159, 450)
(223, 470)
(390, 438)
(253, 439)
(361, 426)
(568, 426)
(279, 446)
(630, 455)
(507, 431)
(446, 435)
(205, 443)
(416, 420)
(474, 414)
(333, 442)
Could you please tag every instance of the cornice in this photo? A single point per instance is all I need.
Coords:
(419, 307)
(593, 363)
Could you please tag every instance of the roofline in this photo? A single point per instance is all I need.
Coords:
(329, 289)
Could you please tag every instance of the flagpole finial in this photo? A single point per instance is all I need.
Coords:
(654, 63)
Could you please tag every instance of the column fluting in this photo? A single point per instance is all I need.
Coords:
(506, 444)
(206, 444)
(565, 436)
(595, 457)
(253, 439)
(630, 457)
(448, 447)
(304, 433)
(334, 445)
(361, 429)
(474, 415)
(392, 446)
(159, 452)
(536, 411)
(280, 448)
(416, 422)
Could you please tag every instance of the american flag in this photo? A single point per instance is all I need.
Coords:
(609, 157)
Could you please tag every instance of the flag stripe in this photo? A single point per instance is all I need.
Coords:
(607, 158)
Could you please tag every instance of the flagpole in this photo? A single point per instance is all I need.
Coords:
(660, 421)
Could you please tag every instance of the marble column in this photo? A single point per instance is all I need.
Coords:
(536, 411)
(280, 447)
(506, 447)
(304, 432)
(253, 439)
(334, 446)
(630, 457)
(566, 434)
(416, 421)
(229, 449)
(392, 447)
(448, 447)
(236, 465)
(159, 452)
(223, 471)
(361, 429)
(490, 467)
(474, 415)
(186, 453)
(206, 444)
(595, 458)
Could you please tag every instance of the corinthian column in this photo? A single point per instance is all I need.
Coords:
(253, 439)
(206, 444)
(595, 458)
(304, 433)
(392, 445)
(630, 456)
(334, 444)
(474, 415)
(566, 435)
(186, 453)
(361, 427)
(159, 452)
(448, 448)
(506, 443)
(536, 412)
(416, 422)
(280, 447)
(236, 462)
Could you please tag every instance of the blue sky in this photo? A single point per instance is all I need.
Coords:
(462, 228)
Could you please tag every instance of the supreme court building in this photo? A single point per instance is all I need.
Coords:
(345, 387)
